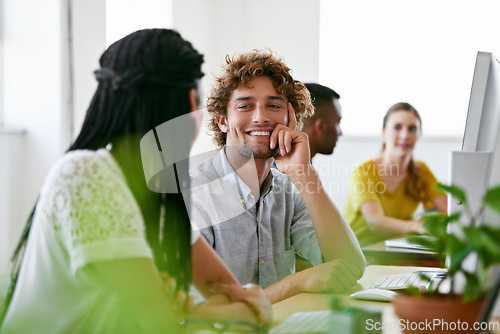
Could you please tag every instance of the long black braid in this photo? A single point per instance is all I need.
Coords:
(144, 81)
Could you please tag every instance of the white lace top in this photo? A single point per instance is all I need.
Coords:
(85, 214)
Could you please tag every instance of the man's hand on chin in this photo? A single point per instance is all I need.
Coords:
(294, 152)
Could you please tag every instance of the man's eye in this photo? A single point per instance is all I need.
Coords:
(243, 106)
(274, 106)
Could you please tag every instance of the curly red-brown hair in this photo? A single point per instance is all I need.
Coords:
(243, 67)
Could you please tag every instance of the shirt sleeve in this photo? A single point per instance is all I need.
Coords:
(362, 187)
(194, 236)
(430, 181)
(99, 217)
(302, 234)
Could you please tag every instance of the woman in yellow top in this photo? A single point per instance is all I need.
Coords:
(385, 192)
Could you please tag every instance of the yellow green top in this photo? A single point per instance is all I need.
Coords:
(367, 184)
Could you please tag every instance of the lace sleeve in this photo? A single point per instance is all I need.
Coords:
(94, 212)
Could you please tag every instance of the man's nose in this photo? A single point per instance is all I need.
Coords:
(261, 114)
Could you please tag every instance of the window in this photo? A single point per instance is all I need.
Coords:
(1, 64)
(377, 53)
(124, 17)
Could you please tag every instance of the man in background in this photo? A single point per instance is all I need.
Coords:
(323, 128)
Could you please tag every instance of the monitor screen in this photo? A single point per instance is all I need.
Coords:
(477, 166)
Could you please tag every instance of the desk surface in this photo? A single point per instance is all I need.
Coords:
(379, 253)
(316, 302)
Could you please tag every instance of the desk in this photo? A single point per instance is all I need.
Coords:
(379, 253)
(316, 301)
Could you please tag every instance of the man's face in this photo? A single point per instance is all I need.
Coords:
(253, 111)
(333, 115)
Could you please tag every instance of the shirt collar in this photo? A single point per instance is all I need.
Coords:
(230, 179)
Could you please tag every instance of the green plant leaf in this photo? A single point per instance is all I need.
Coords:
(482, 241)
(473, 289)
(491, 198)
(479, 239)
(455, 191)
(492, 231)
(454, 217)
(424, 240)
(435, 223)
(457, 251)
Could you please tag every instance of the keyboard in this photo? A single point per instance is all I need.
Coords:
(403, 281)
(304, 322)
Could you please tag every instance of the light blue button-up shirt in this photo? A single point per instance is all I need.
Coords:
(257, 242)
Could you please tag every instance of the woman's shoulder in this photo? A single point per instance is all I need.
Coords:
(422, 166)
(365, 167)
(78, 165)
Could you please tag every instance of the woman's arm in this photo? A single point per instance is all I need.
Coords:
(211, 276)
(208, 268)
(441, 204)
(382, 224)
(140, 288)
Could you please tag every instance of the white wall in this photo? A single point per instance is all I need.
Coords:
(33, 100)
(1, 63)
(11, 157)
(220, 27)
(88, 43)
(37, 94)
(377, 53)
(223, 27)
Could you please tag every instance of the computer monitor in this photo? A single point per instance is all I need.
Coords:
(477, 165)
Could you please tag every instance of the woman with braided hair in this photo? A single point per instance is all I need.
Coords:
(99, 241)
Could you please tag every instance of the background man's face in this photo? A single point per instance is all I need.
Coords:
(253, 111)
(333, 115)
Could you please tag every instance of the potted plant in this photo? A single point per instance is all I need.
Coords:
(470, 238)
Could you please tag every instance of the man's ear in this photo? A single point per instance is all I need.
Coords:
(222, 122)
(320, 126)
(193, 99)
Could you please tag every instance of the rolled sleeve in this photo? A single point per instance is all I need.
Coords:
(303, 236)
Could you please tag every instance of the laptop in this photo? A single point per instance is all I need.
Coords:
(418, 279)
(403, 243)
(316, 322)
(350, 320)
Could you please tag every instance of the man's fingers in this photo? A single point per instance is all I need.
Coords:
(352, 269)
(343, 277)
(287, 141)
(292, 120)
(281, 141)
(169, 284)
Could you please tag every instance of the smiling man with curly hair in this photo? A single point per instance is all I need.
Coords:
(258, 218)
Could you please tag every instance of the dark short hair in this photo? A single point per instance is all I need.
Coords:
(320, 93)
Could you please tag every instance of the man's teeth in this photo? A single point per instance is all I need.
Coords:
(260, 133)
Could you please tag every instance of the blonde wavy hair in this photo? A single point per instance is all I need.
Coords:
(243, 67)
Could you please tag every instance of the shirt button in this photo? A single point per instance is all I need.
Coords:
(242, 200)
(262, 262)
